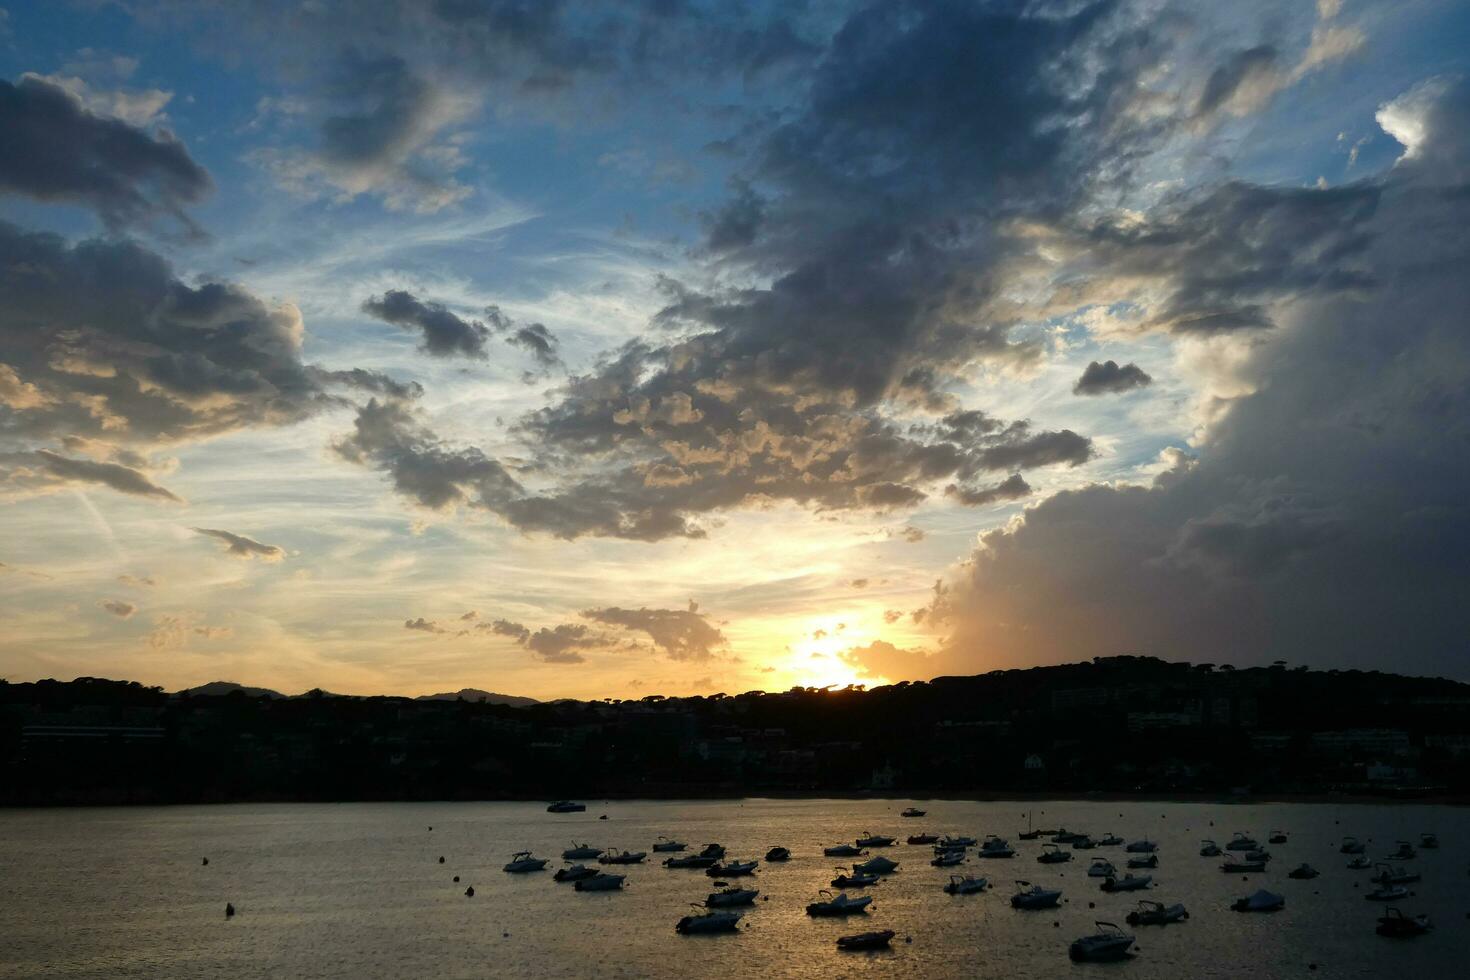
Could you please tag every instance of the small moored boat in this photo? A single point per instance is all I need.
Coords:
(1108, 840)
(1242, 842)
(1387, 875)
(732, 869)
(1144, 846)
(690, 861)
(1405, 852)
(566, 806)
(1152, 861)
(1260, 901)
(716, 851)
(870, 839)
(1156, 914)
(996, 847)
(923, 838)
(708, 921)
(580, 852)
(1359, 863)
(778, 853)
(948, 859)
(622, 857)
(1351, 845)
(876, 866)
(1101, 868)
(1241, 866)
(842, 851)
(1429, 841)
(1303, 872)
(841, 904)
(866, 940)
(1034, 897)
(847, 879)
(663, 844)
(913, 811)
(575, 873)
(1396, 925)
(1277, 837)
(601, 883)
(523, 862)
(965, 885)
(1108, 943)
(1052, 854)
(1387, 893)
(1127, 883)
(731, 897)
(1209, 849)
(1083, 843)
(954, 840)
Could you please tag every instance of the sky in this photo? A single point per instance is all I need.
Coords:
(637, 347)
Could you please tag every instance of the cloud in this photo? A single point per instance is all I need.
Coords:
(175, 631)
(1324, 520)
(1013, 487)
(881, 659)
(58, 469)
(138, 108)
(57, 149)
(1106, 377)
(444, 333)
(859, 583)
(422, 625)
(243, 547)
(559, 645)
(682, 634)
(120, 609)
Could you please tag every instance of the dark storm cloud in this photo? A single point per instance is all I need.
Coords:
(445, 334)
(243, 547)
(537, 340)
(1013, 487)
(121, 478)
(56, 150)
(1106, 377)
(682, 634)
(1325, 519)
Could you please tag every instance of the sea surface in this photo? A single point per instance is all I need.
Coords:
(357, 890)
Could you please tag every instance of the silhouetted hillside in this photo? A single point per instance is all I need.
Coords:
(1122, 724)
(475, 694)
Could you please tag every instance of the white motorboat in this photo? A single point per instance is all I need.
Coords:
(1277, 837)
(1241, 842)
(870, 839)
(965, 885)
(523, 862)
(952, 841)
(1351, 845)
(842, 851)
(575, 873)
(1261, 856)
(690, 861)
(912, 811)
(1240, 866)
(1127, 883)
(1065, 836)
(923, 838)
(948, 859)
(841, 904)
(1144, 846)
(846, 879)
(622, 857)
(566, 806)
(1303, 872)
(600, 883)
(731, 897)
(867, 940)
(996, 847)
(1260, 901)
(709, 921)
(1034, 897)
(716, 851)
(1405, 852)
(1108, 943)
(876, 866)
(1101, 868)
(1156, 914)
(663, 844)
(1052, 854)
(1387, 893)
(1399, 926)
(1359, 863)
(580, 852)
(1387, 875)
(1109, 840)
(1083, 843)
(1209, 849)
(1152, 861)
(733, 869)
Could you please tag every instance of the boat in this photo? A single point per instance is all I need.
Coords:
(965, 885)
(622, 857)
(1387, 893)
(876, 866)
(1239, 866)
(996, 847)
(952, 841)
(1260, 901)
(1405, 852)
(852, 879)
(1034, 897)
(1393, 876)
(1108, 943)
(1065, 836)
(1144, 846)
(866, 940)
(1209, 849)
(839, 905)
(601, 883)
(734, 869)
(1351, 845)
(690, 861)
(1101, 868)
(1242, 842)
(575, 873)
(709, 921)
(1261, 856)
(842, 851)
(1052, 854)
(1429, 841)
(1277, 837)
(923, 838)
(948, 859)
(1083, 843)
(778, 853)
(566, 806)
(1396, 925)
(1152, 861)
(730, 897)
(1359, 863)
(913, 811)
(580, 852)
(664, 844)
(1127, 883)
(1030, 833)
(523, 862)
(1156, 914)
(873, 840)
(716, 851)
(1303, 872)
(1108, 840)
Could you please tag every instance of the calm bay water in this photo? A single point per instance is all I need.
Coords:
(356, 890)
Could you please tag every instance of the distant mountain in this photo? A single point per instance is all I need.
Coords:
(215, 689)
(475, 694)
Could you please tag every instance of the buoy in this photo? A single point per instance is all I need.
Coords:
(469, 892)
(1092, 905)
(431, 830)
(505, 935)
(456, 879)
(229, 910)
(441, 859)
(908, 939)
(206, 860)
(1056, 925)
